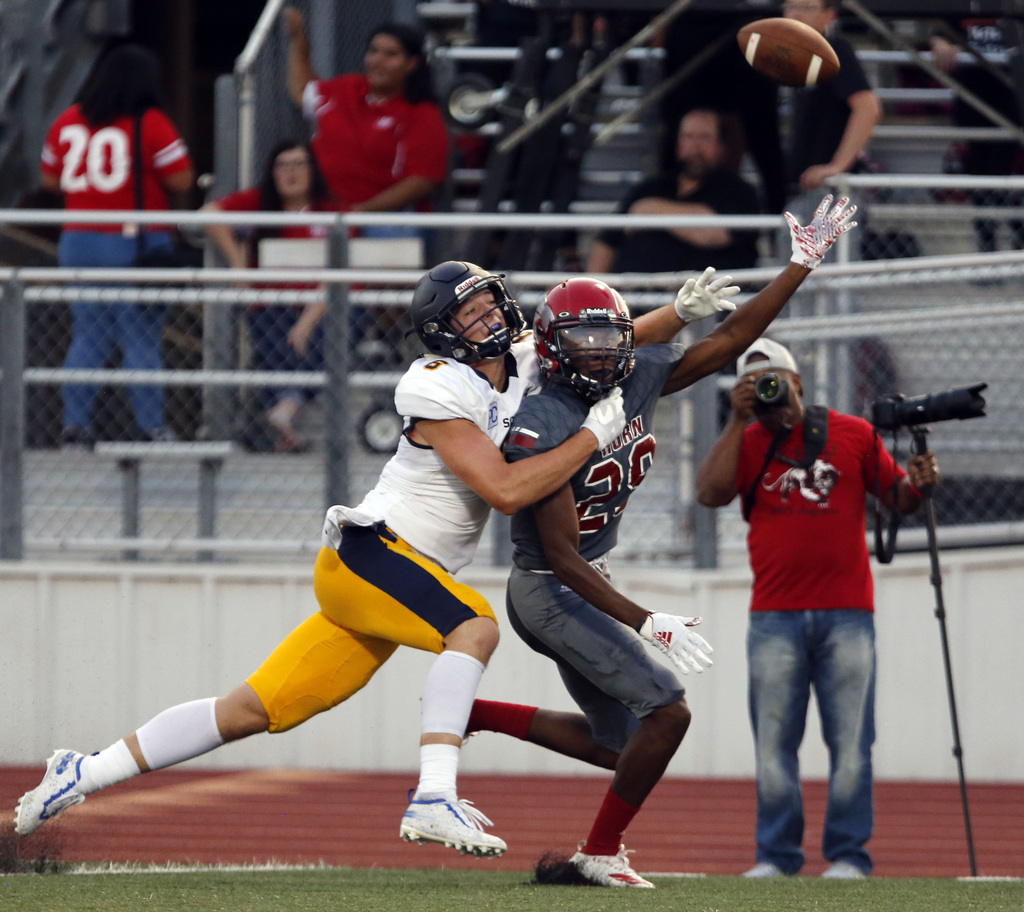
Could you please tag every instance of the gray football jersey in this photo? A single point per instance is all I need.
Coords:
(603, 485)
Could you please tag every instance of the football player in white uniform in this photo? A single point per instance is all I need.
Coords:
(384, 575)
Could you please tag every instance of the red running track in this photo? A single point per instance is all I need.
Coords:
(303, 816)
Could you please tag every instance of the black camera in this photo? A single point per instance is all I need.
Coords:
(894, 411)
(772, 391)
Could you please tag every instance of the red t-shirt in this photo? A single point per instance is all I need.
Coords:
(365, 148)
(807, 526)
(95, 165)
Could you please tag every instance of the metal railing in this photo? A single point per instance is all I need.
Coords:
(844, 306)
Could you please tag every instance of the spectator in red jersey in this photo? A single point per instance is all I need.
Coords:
(90, 156)
(283, 337)
(379, 137)
(802, 474)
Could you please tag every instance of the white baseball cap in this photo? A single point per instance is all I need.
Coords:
(778, 357)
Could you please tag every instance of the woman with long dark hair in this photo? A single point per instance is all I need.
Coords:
(115, 149)
(282, 336)
(378, 135)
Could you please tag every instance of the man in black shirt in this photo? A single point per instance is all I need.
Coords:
(705, 183)
(832, 120)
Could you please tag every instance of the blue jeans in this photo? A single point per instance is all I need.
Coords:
(788, 652)
(268, 332)
(97, 326)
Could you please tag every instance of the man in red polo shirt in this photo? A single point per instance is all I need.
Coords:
(379, 136)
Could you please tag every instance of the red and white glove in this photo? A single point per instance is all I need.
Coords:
(811, 242)
(673, 636)
(702, 297)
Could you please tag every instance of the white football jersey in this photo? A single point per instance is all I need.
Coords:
(418, 497)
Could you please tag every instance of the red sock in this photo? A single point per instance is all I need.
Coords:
(611, 822)
(507, 718)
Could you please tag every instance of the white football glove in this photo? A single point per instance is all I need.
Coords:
(607, 418)
(700, 298)
(811, 242)
(673, 636)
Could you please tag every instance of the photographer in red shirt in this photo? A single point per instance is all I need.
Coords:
(803, 474)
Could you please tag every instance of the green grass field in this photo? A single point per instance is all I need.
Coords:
(362, 890)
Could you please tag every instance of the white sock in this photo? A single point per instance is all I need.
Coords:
(180, 733)
(106, 768)
(448, 695)
(449, 692)
(439, 766)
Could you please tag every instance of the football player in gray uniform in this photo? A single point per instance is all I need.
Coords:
(559, 598)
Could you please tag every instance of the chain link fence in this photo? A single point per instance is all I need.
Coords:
(225, 480)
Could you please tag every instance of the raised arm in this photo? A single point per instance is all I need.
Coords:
(716, 476)
(300, 63)
(747, 323)
(700, 297)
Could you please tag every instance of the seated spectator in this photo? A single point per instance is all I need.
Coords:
(379, 137)
(91, 156)
(832, 120)
(724, 82)
(283, 337)
(705, 182)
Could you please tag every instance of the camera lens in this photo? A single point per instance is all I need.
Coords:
(771, 391)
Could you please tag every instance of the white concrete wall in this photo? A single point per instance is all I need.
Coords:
(88, 652)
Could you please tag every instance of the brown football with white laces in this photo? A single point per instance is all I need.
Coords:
(788, 52)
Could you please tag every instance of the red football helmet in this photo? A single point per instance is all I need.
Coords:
(584, 336)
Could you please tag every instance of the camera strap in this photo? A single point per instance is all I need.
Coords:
(885, 547)
(815, 438)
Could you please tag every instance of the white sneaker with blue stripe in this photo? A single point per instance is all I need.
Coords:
(53, 796)
(452, 822)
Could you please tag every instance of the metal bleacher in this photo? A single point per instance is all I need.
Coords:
(901, 144)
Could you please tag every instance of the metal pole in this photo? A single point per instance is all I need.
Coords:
(338, 412)
(130, 504)
(920, 447)
(208, 470)
(12, 421)
(704, 396)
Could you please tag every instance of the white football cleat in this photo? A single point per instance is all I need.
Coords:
(608, 870)
(53, 796)
(452, 822)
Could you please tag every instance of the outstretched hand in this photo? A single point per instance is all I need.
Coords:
(811, 241)
(704, 296)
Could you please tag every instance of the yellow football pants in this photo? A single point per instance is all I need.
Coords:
(375, 594)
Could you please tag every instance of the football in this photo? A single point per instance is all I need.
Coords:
(788, 52)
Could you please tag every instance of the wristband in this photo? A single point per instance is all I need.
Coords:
(646, 628)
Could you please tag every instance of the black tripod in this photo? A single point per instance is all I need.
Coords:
(920, 447)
